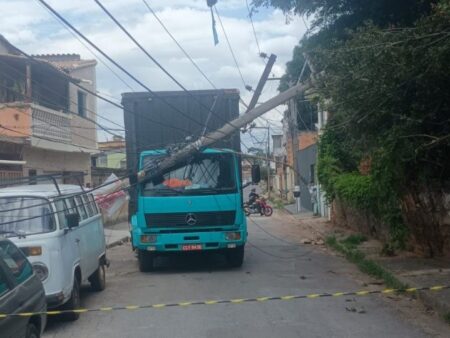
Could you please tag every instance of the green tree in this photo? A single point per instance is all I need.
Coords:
(388, 98)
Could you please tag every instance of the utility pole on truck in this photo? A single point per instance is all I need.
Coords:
(223, 132)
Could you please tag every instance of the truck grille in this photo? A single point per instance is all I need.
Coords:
(209, 218)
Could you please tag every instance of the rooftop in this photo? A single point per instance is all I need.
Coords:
(39, 190)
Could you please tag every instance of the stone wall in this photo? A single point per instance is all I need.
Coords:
(361, 221)
(425, 212)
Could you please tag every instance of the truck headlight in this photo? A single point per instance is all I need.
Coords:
(233, 236)
(148, 238)
(41, 270)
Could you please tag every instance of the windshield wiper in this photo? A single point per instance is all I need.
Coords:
(15, 233)
(206, 190)
(166, 191)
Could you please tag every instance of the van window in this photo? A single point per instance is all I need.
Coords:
(94, 205)
(71, 205)
(3, 284)
(88, 206)
(16, 261)
(26, 215)
(61, 211)
(81, 208)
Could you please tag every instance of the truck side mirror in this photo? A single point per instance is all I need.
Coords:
(73, 220)
(256, 173)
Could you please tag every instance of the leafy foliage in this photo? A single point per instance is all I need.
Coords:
(389, 102)
(346, 14)
(348, 247)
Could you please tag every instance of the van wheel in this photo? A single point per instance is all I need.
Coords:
(98, 278)
(32, 331)
(145, 260)
(235, 257)
(73, 303)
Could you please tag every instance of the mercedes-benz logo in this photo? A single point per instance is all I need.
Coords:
(191, 219)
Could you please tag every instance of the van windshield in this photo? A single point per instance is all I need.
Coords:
(203, 174)
(20, 215)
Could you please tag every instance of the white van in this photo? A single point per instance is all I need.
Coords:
(60, 229)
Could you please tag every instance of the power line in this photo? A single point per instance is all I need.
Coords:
(160, 66)
(186, 132)
(118, 65)
(47, 138)
(178, 44)
(230, 48)
(60, 106)
(250, 15)
(109, 183)
(57, 141)
(46, 122)
(184, 51)
(92, 52)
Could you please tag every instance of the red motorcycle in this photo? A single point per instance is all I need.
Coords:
(264, 209)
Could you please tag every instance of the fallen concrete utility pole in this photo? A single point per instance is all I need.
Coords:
(262, 82)
(221, 133)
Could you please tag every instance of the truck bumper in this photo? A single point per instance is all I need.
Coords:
(166, 242)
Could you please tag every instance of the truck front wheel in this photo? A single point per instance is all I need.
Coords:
(145, 260)
(235, 257)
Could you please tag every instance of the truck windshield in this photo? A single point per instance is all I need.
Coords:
(204, 174)
(20, 215)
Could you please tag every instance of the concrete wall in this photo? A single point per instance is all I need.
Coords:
(15, 117)
(305, 158)
(47, 161)
(306, 139)
(85, 130)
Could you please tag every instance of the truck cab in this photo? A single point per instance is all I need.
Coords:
(194, 206)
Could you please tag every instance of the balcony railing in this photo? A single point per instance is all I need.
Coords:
(9, 175)
(50, 124)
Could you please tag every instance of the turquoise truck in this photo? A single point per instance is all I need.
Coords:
(196, 205)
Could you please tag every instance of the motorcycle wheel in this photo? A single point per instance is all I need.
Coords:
(268, 211)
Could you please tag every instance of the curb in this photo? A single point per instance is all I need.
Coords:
(288, 211)
(118, 242)
(430, 300)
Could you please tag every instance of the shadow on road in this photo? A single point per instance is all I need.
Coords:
(55, 322)
(191, 262)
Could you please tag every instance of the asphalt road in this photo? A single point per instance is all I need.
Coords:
(273, 267)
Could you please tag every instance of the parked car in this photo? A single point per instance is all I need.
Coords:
(20, 291)
(60, 229)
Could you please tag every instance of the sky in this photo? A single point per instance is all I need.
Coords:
(28, 25)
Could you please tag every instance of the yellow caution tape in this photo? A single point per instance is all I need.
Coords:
(227, 301)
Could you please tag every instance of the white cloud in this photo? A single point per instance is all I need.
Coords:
(32, 28)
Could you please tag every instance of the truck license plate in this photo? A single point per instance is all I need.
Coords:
(191, 247)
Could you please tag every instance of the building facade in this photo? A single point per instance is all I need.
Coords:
(47, 123)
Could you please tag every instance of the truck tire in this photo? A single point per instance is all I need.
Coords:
(145, 260)
(73, 303)
(235, 257)
(98, 278)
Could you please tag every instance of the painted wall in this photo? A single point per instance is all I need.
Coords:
(305, 158)
(85, 130)
(16, 117)
(46, 162)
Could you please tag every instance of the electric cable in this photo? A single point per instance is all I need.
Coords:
(117, 64)
(230, 48)
(160, 66)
